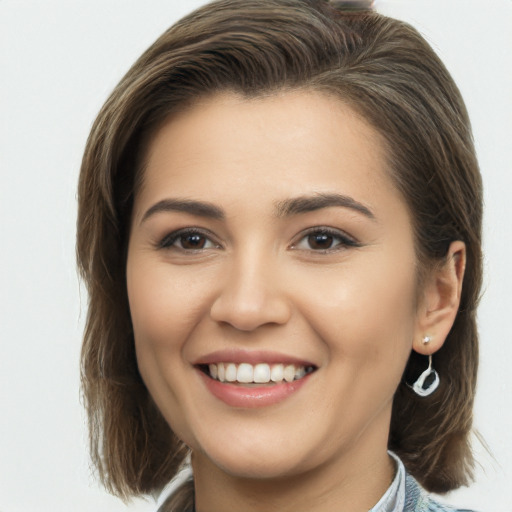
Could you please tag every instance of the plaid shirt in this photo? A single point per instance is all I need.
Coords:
(403, 495)
(417, 499)
(406, 495)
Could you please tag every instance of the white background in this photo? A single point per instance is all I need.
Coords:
(59, 59)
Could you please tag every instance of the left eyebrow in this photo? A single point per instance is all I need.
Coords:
(304, 204)
(198, 208)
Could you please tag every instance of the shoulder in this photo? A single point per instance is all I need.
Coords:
(418, 500)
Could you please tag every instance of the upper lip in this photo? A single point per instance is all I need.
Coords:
(238, 356)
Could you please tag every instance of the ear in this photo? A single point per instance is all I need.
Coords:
(440, 300)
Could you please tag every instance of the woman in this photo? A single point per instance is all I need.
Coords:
(280, 228)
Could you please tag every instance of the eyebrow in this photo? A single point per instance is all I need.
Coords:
(304, 204)
(286, 208)
(198, 208)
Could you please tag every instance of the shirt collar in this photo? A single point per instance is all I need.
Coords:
(393, 499)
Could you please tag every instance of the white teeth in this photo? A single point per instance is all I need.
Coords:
(245, 373)
(300, 371)
(261, 373)
(221, 371)
(231, 372)
(289, 373)
(277, 373)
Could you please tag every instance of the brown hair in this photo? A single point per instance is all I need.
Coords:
(384, 70)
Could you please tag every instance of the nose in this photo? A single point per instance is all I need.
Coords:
(251, 295)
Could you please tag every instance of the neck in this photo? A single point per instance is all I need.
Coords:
(352, 482)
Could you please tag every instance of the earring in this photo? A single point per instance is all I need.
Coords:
(427, 382)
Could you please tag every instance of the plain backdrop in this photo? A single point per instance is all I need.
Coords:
(59, 59)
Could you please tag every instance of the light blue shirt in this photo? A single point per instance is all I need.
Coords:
(405, 495)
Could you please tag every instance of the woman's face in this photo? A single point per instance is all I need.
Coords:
(269, 244)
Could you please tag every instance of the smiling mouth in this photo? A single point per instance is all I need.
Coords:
(257, 374)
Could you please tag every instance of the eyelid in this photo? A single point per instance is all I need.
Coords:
(345, 239)
(169, 239)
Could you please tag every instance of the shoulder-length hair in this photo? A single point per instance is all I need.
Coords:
(384, 70)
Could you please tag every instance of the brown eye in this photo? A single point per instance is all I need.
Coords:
(192, 241)
(187, 240)
(325, 240)
(320, 241)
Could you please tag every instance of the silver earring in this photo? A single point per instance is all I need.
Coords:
(427, 382)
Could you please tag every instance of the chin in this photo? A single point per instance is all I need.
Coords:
(263, 466)
(256, 454)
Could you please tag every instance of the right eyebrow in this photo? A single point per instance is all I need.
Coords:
(198, 208)
(304, 204)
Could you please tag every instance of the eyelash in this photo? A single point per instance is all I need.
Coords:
(169, 241)
(344, 241)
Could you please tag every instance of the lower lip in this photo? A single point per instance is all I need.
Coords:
(239, 396)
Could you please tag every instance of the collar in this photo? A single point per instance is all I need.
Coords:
(393, 499)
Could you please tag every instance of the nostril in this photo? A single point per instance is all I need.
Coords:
(251, 295)
(247, 315)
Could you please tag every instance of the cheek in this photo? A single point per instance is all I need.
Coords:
(164, 313)
(159, 321)
(369, 314)
(164, 307)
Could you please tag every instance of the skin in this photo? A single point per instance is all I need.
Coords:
(351, 307)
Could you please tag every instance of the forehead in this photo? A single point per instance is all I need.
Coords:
(274, 146)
